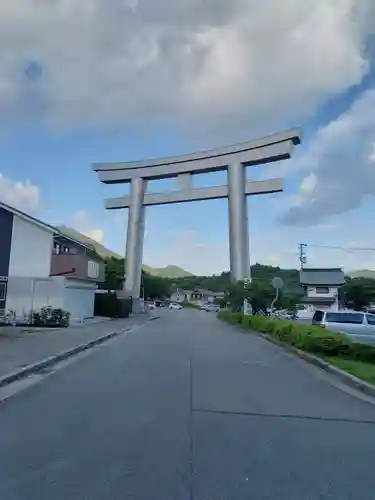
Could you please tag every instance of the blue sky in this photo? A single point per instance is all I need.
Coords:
(115, 82)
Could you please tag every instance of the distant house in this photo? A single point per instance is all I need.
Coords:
(197, 295)
(322, 287)
(40, 267)
(81, 269)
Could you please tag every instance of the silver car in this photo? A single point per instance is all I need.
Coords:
(212, 308)
(358, 326)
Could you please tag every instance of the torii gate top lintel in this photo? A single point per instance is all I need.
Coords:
(269, 149)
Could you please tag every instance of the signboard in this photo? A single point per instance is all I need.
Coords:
(277, 283)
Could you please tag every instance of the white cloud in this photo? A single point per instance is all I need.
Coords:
(82, 222)
(20, 194)
(339, 166)
(207, 62)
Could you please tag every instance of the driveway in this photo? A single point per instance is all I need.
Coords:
(187, 407)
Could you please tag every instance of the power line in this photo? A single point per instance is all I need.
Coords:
(345, 249)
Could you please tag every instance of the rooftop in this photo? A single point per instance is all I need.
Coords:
(28, 218)
(321, 276)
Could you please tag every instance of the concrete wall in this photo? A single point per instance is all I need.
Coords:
(79, 299)
(31, 294)
(31, 250)
(28, 294)
(311, 292)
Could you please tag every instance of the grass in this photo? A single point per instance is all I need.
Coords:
(360, 369)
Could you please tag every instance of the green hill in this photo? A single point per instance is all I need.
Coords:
(362, 273)
(99, 248)
(219, 283)
(170, 272)
(105, 253)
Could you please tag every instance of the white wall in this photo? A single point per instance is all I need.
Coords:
(28, 294)
(79, 299)
(311, 292)
(31, 250)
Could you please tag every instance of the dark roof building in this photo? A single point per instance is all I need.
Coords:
(322, 277)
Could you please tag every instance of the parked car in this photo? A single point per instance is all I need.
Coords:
(212, 308)
(175, 306)
(359, 326)
(159, 303)
(203, 306)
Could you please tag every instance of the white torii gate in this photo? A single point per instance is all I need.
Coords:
(233, 159)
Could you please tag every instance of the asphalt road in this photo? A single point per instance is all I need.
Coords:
(187, 408)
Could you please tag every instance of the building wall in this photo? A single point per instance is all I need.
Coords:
(311, 292)
(6, 229)
(79, 299)
(31, 294)
(31, 250)
(84, 267)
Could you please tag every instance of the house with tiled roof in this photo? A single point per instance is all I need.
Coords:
(322, 287)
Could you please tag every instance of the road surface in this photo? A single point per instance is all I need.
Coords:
(187, 408)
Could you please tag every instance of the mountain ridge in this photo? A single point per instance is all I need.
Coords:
(170, 271)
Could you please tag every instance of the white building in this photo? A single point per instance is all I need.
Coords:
(322, 287)
(27, 256)
(196, 296)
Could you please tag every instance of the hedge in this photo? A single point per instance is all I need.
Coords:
(190, 305)
(314, 339)
(109, 306)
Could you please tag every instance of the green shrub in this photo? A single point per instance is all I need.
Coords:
(47, 316)
(231, 317)
(308, 338)
(190, 305)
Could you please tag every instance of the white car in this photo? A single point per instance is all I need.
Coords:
(358, 326)
(175, 306)
(212, 308)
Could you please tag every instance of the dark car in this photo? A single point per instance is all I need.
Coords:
(159, 303)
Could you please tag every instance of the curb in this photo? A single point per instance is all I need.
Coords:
(345, 377)
(53, 360)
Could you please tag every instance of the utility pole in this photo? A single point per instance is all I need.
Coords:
(302, 254)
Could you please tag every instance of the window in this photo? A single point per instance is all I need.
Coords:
(318, 316)
(322, 289)
(370, 319)
(93, 270)
(3, 290)
(66, 249)
(353, 318)
(56, 248)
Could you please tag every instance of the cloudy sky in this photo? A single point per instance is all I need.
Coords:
(100, 80)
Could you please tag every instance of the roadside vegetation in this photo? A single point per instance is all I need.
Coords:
(364, 371)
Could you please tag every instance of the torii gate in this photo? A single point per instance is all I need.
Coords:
(234, 159)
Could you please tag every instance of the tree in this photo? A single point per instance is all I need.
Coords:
(114, 274)
(359, 293)
(258, 292)
(155, 287)
(235, 295)
(288, 302)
